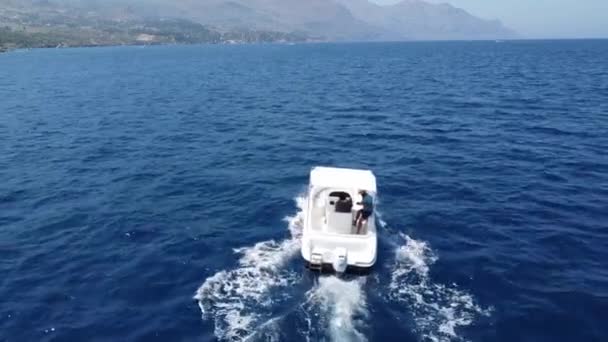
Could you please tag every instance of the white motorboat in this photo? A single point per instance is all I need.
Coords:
(330, 236)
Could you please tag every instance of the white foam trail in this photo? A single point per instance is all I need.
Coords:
(438, 310)
(381, 222)
(341, 306)
(238, 300)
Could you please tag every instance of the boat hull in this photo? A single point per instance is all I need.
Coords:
(329, 269)
(358, 252)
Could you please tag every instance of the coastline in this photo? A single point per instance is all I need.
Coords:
(15, 47)
(92, 46)
(147, 33)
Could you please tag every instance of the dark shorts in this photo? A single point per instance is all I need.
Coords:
(365, 214)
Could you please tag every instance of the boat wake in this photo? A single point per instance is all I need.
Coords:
(239, 300)
(340, 310)
(255, 300)
(438, 310)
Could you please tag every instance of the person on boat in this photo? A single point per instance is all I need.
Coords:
(368, 208)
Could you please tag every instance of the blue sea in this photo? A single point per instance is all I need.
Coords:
(156, 194)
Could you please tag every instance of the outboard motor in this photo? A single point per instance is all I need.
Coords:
(339, 263)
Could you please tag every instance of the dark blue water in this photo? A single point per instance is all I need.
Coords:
(154, 194)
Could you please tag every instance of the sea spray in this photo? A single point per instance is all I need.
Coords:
(340, 309)
(438, 310)
(239, 300)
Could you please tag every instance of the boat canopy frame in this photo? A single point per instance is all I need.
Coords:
(340, 178)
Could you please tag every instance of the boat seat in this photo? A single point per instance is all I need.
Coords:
(344, 206)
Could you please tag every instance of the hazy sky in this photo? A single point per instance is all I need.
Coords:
(541, 18)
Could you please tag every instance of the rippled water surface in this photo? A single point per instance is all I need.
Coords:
(155, 194)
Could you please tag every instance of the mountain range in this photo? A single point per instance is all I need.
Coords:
(326, 19)
(312, 20)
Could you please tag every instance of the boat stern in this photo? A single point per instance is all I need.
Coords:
(340, 253)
